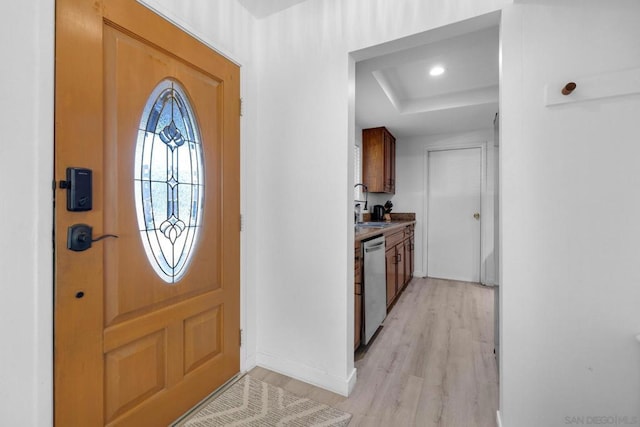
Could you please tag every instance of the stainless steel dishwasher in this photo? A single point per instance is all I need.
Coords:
(374, 286)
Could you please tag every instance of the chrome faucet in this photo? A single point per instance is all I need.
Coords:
(366, 200)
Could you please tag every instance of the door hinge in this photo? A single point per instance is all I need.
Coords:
(241, 224)
(241, 108)
(240, 337)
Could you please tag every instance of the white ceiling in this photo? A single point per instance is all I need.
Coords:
(263, 8)
(395, 89)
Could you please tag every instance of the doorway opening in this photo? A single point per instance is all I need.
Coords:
(438, 112)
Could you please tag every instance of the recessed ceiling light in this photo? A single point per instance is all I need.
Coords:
(438, 70)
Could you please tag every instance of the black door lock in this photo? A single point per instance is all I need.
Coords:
(80, 237)
(79, 185)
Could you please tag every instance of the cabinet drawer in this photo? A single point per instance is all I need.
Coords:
(394, 239)
(408, 231)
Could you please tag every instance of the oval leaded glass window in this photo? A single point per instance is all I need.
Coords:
(169, 185)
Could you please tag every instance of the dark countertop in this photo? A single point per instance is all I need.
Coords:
(365, 233)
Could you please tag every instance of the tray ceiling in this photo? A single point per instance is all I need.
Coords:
(395, 89)
(264, 8)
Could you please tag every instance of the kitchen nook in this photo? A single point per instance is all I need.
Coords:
(384, 257)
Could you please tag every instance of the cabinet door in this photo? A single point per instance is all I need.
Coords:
(373, 160)
(392, 274)
(400, 267)
(407, 261)
(389, 163)
(412, 250)
(392, 173)
(357, 328)
(358, 320)
(379, 160)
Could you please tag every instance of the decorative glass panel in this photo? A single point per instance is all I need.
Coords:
(169, 184)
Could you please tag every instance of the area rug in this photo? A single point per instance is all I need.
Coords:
(254, 403)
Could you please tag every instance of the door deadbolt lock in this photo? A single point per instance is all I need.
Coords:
(79, 189)
(80, 237)
(476, 215)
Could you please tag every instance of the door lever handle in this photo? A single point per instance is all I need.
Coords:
(80, 237)
(104, 237)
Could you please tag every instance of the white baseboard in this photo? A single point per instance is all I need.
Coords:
(498, 419)
(351, 381)
(248, 363)
(419, 274)
(307, 374)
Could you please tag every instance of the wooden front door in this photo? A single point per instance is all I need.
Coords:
(146, 324)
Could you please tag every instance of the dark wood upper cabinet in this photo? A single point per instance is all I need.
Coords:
(379, 160)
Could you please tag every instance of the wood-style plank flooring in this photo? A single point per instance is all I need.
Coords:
(432, 363)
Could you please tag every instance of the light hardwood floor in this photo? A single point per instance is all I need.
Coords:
(432, 363)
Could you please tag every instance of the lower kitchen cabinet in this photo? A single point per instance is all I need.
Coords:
(399, 262)
(358, 295)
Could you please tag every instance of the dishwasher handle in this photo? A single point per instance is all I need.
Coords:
(374, 247)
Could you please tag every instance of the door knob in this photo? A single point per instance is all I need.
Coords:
(80, 237)
(476, 215)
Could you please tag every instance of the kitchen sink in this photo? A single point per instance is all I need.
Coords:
(372, 224)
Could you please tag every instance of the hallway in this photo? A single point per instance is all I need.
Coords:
(432, 363)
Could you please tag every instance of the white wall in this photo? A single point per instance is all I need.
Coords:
(305, 245)
(570, 186)
(26, 164)
(411, 190)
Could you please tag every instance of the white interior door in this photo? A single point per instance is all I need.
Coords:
(453, 237)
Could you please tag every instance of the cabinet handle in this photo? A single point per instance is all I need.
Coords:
(399, 258)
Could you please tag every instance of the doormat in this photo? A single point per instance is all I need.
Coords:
(254, 403)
